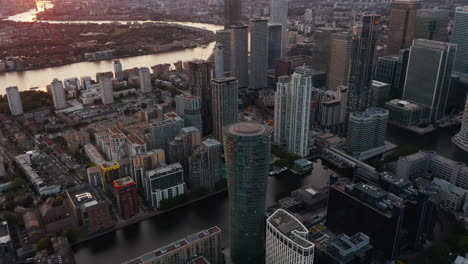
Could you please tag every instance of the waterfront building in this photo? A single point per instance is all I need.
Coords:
(340, 60)
(163, 183)
(218, 52)
(461, 138)
(321, 51)
(14, 101)
(239, 54)
(164, 131)
(206, 243)
(188, 107)
(90, 210)
(362, 62)
(380, 93)
(279, 14)
(429, 75)
(392, 70)
(258, 53)
(107, 91)
(366, 130)
(58, 94)
(145, 80)
(292, 111)
(142, 163)
(232, 13)
(459, 37)
(247, 152)
(205, 165)
(225, 101)
(199, 72)
(401, 25)
(126, 196)
(224, 37)
(286, 240)
(275, 40)
(432, 24)
(405, 113)
(118, 70)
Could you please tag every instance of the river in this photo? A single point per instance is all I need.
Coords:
(42, 77)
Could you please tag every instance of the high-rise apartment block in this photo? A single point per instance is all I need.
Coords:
(58, 94)
(402, 25)
(286, 240)
(461, 138)
(460, 37)
(164, 183)
(432, 24)
(239, 54)
(189, 108)
(429, 75)
(275, 39)
(145, 80)
(292, 111)
(14, 101)
(224, 99)
(200, 82)
(126, 196)
(366, 130)
(163, 132)
(118, 70)
(247, 152)
(380, 93)
(107, 91)
(258, 53)
(205, 165)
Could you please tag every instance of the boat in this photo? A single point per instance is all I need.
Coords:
(278, 171)
(33, 88)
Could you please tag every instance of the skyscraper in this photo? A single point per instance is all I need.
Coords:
(321, 52)
(432, 24)
(275, 38)
(460, 37)
(163, 132)
(461, 139)
(340, 60)
(189, 108)
(107, 91)
(247, 152)
(401, 25)
(224, 37)
(239, 54)
(118, 70)
(205, 165)
(392, 70)
(58, 94)
(225, 96)
(286, 240)
(200, 81)
(292, 111)
(145, 80)
(258, 53)
(429, 74)
(14, 101)
(279, 14)
(360, 78)
(218, 52)
(366, 130)
(232, 13)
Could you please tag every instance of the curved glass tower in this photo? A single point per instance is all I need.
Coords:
(247, 152)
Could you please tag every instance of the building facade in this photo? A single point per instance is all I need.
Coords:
(107, 91)
(58, 94)
(432, 24)
(459, 37)
(199, 72)
(126, 196)
(14, 101)
(164, 183)
(340, 60)
(189, 108)
(225, 101)
(258, 53)
(461, 138)
(401, 25)
(366, 130)
(239, 54)
(145, 80)
(205, 165)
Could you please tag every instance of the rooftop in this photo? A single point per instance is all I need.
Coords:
(290, 227)
(247, 129)
(123, 182)
(134, 139)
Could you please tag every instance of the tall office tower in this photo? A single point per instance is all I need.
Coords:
(460, 37)
(247, 152)
(239, 54)
(380, 93)
(14, 101)
(200, 83)
(340, 60)
(224, 37)
(205, 165)
(360, 76)
(118, 70)
(232, 13)
(163, 132)
(145, 80)
(126, 196)
(461, 139)
(286, 240)
(401, 25)
(366, 130)
(332, 105)
(432, 24)
(107, 91)
(292, 111)
(321, 52)
(428, 76)
(275, 38)
(58, 94)
(258, 53)
(392, 70)
(166, 182)
(189, 108)
(218, 52)
(279, 14)
(225, 96)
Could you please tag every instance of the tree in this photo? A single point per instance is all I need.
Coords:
(58, 201)
(44, 243)
(17, 183)
(10, 218)
(72, 233)
(143, 105)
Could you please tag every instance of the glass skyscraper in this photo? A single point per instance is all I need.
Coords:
(247, 152)
(460, 37)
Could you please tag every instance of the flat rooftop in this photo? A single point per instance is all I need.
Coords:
(136, 140)
(123, 182)
(288, 225)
